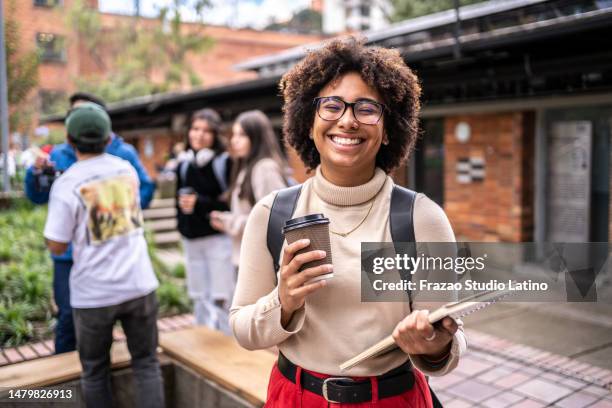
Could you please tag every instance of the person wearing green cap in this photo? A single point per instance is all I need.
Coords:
(95, 205)
(37, 184)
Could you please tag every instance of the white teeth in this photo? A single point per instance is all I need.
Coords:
(346, 141)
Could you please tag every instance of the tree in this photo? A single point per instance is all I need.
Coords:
(305, 21)
(406, 9)
(22, 75)
(147, 57)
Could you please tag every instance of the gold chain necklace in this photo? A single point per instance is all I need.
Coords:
(345, 234)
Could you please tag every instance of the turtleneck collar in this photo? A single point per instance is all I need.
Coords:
(336, 195)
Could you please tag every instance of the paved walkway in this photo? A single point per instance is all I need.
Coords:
(495, 373)
(498, 373)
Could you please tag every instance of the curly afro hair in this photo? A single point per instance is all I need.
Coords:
(381, 68)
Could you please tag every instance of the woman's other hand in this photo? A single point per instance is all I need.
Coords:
(292, 286)
(416, 336)
(187, 202)
(216, 220)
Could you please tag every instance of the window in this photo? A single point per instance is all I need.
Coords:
(47, 3)
(51, 46)
(365, 10)
(52, 102)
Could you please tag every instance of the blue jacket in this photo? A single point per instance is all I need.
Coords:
(63, 156)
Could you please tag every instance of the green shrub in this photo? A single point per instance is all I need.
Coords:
(179, 271)
(26, 275)
(172, 299)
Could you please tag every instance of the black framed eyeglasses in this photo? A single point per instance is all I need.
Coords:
(365, 111)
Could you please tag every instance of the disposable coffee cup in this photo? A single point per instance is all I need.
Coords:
(186, 191)
(314, 227)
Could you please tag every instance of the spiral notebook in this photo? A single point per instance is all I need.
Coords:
(456, 310)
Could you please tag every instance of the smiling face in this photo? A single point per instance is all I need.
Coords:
(201, 135)
(240, 143)
(347, 147)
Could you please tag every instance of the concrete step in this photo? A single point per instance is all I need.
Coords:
(167, 238)
(162, 224)
(156, 213)
(171, 256)
(162, 203)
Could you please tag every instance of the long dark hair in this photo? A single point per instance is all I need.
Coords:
(214, 122)
(264, 144)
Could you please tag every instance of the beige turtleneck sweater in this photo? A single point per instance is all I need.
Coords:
(334, 325)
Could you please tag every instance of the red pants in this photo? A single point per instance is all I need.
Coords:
(282, 393)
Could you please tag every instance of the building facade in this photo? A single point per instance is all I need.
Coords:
(65, 56)
(516, 118)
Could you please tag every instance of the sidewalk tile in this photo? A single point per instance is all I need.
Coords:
(27, 352)
(602, 404)
(494, 374)
(533, 371)
(577, 400)
(3, 360)
(528, 403)
(12, 355)
(474, 391)
(171, 323)
(596, 372)
(494, 359)
(512, 380)
(543, 390)
(595, 390)
(445, 381)
(41, 350)
(553, 377)
(162, 325)
(457, 403)
(50, 344)
(573, 384)
(470, 366)
(503, 400)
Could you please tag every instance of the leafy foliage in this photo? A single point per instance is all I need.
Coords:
(406, 9)
(306, 21)
(22, 73)
(26, 307)
(148, 56)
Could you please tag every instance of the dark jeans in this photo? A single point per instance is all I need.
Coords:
(65, 339)
(94, 328)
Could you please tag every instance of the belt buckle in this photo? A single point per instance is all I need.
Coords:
(325, 383)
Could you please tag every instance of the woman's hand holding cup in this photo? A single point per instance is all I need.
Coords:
(293, 283)
(187, 199)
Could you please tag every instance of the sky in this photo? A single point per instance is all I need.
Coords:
(234, 13)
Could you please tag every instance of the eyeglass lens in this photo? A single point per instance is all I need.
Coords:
(365, 112)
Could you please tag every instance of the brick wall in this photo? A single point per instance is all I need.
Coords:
(500, 207)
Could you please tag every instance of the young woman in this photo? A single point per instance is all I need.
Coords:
(259, 169)
(351, 113)
(202, 178)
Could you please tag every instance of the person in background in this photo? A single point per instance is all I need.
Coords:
(202, 177)
(95, 206)
(38, 180)
(259, 169)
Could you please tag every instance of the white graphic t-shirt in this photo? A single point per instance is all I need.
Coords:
(95, 205)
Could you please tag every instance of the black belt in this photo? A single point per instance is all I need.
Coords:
(348, 391)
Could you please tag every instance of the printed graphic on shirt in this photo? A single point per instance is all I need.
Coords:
(112, 207)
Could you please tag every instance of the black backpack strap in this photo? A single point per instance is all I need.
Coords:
(281, 211)
(400, 215)
(401, 224)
